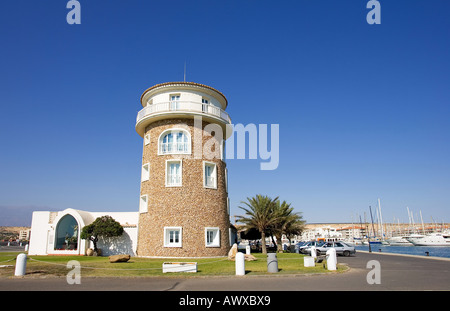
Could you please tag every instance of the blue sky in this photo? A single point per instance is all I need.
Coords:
(364, 110)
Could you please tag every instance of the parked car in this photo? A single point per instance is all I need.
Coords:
(306, 247)
(340, 247)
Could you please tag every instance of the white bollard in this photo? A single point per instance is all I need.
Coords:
(331, 259)
(240, 263)
(21, 265)
(247, 250)
(313, 252)
(26, 248)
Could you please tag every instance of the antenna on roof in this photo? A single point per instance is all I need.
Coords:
(184, 71)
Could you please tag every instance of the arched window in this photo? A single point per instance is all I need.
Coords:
(67, 233)
(175, 142)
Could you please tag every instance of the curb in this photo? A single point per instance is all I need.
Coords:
(406, 255)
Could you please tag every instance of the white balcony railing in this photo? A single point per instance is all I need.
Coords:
(183, 106)
(174, 147)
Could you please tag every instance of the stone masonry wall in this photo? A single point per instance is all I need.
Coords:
(190, 206)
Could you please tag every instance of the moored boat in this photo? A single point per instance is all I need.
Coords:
(399, 241)
(432, 239)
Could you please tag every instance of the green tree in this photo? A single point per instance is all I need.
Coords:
(259, 215)
(287, 222)
(295, 227)
(104, 226)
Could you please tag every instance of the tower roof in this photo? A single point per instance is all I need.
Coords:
(184, 84)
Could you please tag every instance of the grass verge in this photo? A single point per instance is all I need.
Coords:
(44, 266)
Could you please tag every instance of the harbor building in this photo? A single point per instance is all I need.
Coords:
(183, 208)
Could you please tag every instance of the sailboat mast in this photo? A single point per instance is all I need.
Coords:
(409, 219)
(381, 220)
(353, 230)
(371, 218)
(421, 219)
(360, 228)
(368, 237)
(377, 220)
(434, 223)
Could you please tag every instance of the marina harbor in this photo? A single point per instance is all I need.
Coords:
(414, 238)
(431, 251)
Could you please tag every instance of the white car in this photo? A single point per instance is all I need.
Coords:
(306, 248)
(340, 247)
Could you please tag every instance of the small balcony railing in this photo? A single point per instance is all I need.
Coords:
(174, 147)
(183, 106)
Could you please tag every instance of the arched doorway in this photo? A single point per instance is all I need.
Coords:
(67, 231)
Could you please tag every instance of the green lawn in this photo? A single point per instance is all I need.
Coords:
(146, 267)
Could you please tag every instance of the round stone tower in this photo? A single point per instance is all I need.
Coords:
(183, 208)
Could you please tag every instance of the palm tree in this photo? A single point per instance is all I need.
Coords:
(295, 227)
(259, 212)
(287, 221)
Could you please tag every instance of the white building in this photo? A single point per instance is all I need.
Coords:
(350, 233)
(24, 234)
(57, 233)
(321, 233)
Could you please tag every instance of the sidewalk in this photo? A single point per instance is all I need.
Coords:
(398, 272)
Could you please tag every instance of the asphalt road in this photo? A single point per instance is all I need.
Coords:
(396, 273)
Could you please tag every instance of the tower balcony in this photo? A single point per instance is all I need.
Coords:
(180, 109)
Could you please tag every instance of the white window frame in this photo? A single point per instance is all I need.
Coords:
(174, 131)
(205, 104)
(167, 242)
(174, 104)
(167, 173)
(143, 203)
(214, 185)
(146, 139)
(145, 172)
(216, 237)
